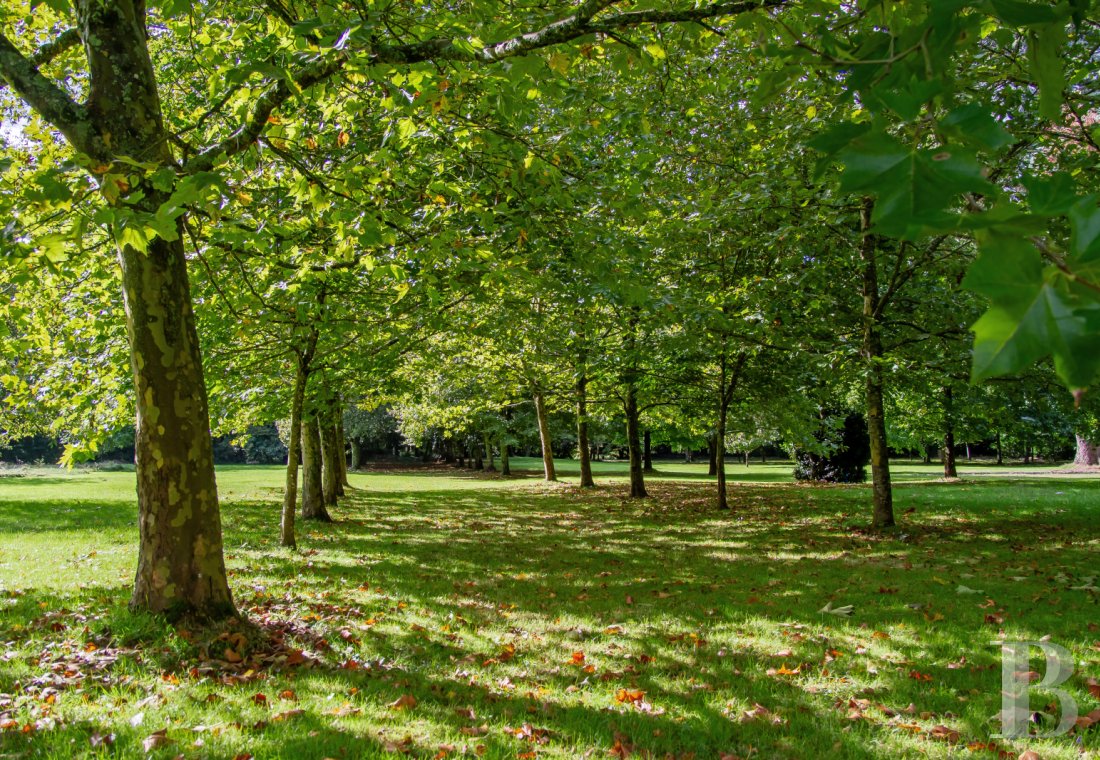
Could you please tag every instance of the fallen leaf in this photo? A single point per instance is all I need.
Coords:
(949, 735)
(404, 702)
(156, 739)
(628, 696)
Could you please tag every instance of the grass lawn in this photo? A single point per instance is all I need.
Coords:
(446, 614)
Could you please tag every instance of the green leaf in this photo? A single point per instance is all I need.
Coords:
(1084, 219)
(1017, 13)
(908, 99)
(833, 140)
(914, 189)
(1035, 312)
(1051, 196)
(406, 128)
(1008, 269)
(872, 161)
(1044, 47)
(973, 124)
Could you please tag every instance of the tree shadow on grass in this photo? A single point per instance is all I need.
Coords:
(35, 516)
(665, 597)
(517, 715)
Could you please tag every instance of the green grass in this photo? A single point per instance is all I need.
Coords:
(431, 577)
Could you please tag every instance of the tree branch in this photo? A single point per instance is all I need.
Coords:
(574, 26)
(51, 102)
(67, 39)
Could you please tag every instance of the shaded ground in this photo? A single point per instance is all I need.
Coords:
(448, 613)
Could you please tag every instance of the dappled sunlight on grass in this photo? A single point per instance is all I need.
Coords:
(447, 610)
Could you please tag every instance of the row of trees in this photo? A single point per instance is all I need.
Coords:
(722, 218)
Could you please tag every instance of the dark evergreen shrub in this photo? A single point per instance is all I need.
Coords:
(846, 458)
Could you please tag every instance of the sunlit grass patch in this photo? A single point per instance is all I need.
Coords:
(446, 612)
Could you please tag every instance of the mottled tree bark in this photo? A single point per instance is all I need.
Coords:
(313, 497)
(341, 454)
(630, 408)
(290, 493)
(719, 451)
(647, 452)
(505, 464)
(1086, 453)
(712, 456)
(949, 468)
(356, 454)
(549, 473)
(181, 568)
(583, 445)
(330, 467)
(882, 494)
(634, 443)
(180, 562)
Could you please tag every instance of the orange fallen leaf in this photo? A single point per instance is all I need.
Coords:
(783, 670)
(628, 696)
(404, 702)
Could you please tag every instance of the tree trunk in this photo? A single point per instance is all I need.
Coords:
(647, 452)
(926, 455)
(949, 469)
(479, 463)
(313, 497)
(882, 494)
(634, 444)
(356, 454)
(712, 454)
(1000, 456)
(549, 473)
(505, 465)
(290, 494)
(330, 468)
(763, 456)
(341, 455)
(583, 445)
(1086, 453)
(489, 466)
(180, 565)
(719, 452)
